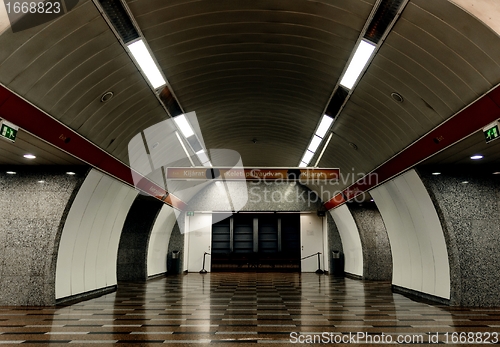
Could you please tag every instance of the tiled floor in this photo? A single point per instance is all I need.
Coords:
(230, 309)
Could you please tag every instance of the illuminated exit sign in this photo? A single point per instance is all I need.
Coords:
(8, 131)
(491, 132)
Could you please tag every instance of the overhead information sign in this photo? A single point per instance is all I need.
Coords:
(491, 132)
(8, 131)
(252, 174)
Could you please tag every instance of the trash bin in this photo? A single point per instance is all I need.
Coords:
(175, 265)
(336, 264)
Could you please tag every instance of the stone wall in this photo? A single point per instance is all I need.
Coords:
(133, 246)
(470, 217)
(34, 204)
(377, 256)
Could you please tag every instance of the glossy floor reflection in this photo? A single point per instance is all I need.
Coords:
(241, 308)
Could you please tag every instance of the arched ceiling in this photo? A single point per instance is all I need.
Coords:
(260, 70)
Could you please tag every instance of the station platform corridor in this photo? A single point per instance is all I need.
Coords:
(235, 172)
(237, 309)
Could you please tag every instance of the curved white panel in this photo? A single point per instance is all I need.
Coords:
(88, 248)
(351, 242)
(419, 254)
(159, 239)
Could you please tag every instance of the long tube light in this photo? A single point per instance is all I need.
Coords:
(184, 125)
(187, 131)
(357, 65)
(148, 66)
(323, 127)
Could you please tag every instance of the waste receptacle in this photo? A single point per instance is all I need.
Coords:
(175, 266)
(336, 264)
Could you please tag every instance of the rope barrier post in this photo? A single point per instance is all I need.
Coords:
(203, 271)
(319, 271)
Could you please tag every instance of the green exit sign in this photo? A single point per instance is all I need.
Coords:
(190, 213)
(491, 132)
(8, 131)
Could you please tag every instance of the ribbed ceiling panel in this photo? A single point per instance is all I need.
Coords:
(439, 59)
(253, 69)
(65, 66)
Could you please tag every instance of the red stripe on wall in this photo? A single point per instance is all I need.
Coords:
(16, 110)
(474, 117)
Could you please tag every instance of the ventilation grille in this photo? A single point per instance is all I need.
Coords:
(120, 19)
(385, 14)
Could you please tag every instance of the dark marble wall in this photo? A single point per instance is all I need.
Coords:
(377, 256)
(176, 244)
(33, 215)
(334, 244)
(133, 246)
(470, 217)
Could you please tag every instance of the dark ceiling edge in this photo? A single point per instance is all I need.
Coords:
(472, 118)
(15, 109)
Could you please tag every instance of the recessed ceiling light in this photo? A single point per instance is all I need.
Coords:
(145, 60)
(496, 173)
(477, 157)
(41, 181)
(436, 173)
(358, 62)
(465, 182)
(29, 156)
(70, 173)
(11, 172)
(371, 200)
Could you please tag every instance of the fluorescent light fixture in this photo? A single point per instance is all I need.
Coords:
(357, 64)
(436, 173)
(11, 172)
(141, 54)
(202, 156)
(70, 173)
(207, 164)
(302, 164)
(324, 125)
(41, 181)
(496, 173)
(315, 142)
(29, 156)
(465, 182)
(307, 157)
(477, 157)
(184, 126)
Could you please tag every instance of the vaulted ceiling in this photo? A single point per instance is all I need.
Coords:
(263, 70)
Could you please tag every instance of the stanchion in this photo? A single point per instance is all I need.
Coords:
(203, 271)
(319, 271)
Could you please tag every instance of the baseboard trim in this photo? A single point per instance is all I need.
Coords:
(419, 296)
(73, 299)
(353, 276)
(152, 277)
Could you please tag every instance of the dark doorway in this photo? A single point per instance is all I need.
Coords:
(257, 242)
